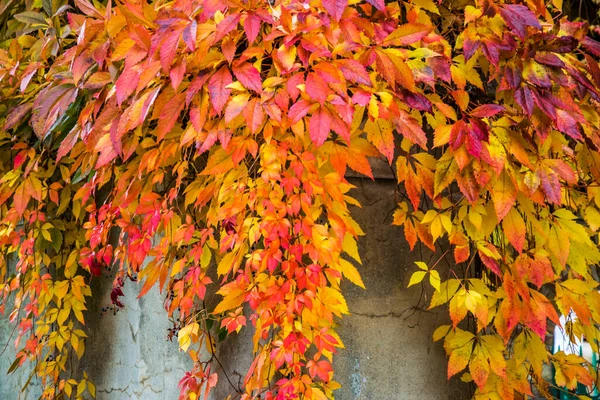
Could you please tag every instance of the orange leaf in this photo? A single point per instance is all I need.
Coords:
(514, 229)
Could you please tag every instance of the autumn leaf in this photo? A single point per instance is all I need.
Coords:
(319, 126)
(217, 88)
(504, 195)
(514, 226)
(335, 8)
(248, 76)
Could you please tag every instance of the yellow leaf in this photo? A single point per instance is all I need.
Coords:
(428, 5)
(187, 334)
(351, 248)
(226, 264)
(205, 257)
(422, 265)
(479, 367)
(233, 299)
(334, 300)
(351, 273)
(287, 56)
(463, 72)
(472, 13)
(219, 162)
(441, 332)
(434, 279)
(417, 277)
(177, 267)
(80, 388)
(122, 49)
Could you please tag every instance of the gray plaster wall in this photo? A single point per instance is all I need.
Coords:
(388, 350)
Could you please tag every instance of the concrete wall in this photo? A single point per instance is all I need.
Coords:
(389, 353)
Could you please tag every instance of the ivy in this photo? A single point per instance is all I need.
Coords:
(175, 142)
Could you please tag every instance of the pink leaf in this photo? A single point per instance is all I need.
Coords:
(248, 76)
(354, 72)
(317, 88)
(127, 83)
(252, 27)
(229, 23)
(254, 115)
(298, 111)
(487, 110)
(217, 88)
(335, 8)
(319, 126)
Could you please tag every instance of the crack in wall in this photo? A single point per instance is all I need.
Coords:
(136, 392)
(393, 314)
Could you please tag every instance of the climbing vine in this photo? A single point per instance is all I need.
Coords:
(192, 144)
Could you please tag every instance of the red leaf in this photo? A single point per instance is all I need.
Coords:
(591, 45)
(169, 115)
(176, 73)
(299, 111)
(378, 4)
(107, 151)
(567, 124)
(168, 49)
(217, 88)
(189, 35)
(319, 126)
(335, 8)
(524, 98)
(468, 185)
(32, 69)
(478, 132)
(518, 17)
(410, 128)
(127, 83)
(248, 76)
(317, 88)
(15, 117)
(88, 8)
(550, 184)
(550, 59)
(340, 127)
(197, 84)
(67, 144)
(254, 115)
(354, 72)
(225, 26)
(361, 98)
(487, 110)
(564, 170)
(252, 27)
(490, 263)
(417, 101)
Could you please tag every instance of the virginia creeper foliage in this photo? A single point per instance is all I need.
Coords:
(165, 139)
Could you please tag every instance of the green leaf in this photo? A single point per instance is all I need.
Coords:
(32, 18)
(14, 365)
